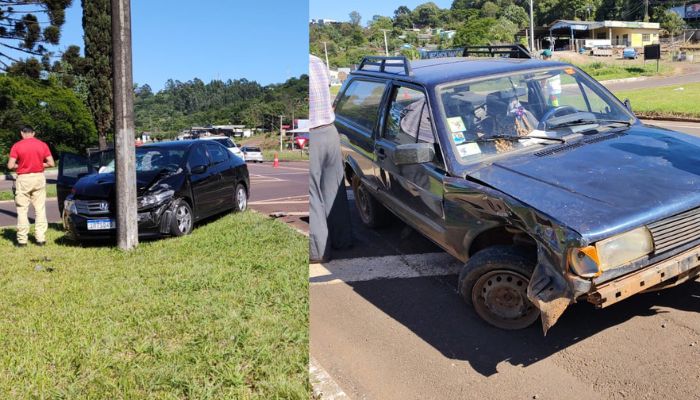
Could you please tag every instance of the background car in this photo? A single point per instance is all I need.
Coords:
(629, 53)
(226, 142)
(178, 184)
(252, 153)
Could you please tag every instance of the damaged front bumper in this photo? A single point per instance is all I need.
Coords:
(670, 272)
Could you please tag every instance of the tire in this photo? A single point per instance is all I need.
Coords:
(183, 219)
(372, 213)
(494, 281)
(240, 198)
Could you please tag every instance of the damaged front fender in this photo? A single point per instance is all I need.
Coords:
(478, 207)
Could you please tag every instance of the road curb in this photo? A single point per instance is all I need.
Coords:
(625, 80)
(323, 386)
(669, 119)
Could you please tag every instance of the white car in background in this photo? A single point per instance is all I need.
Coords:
(252, 153)
(228, 142)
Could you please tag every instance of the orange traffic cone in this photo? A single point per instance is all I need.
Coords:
(276, 162)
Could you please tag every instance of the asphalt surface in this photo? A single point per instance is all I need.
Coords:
(282, 191)
(387, 323)
(690, 75)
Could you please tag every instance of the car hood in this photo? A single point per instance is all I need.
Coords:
(101, 186)
(605, 184)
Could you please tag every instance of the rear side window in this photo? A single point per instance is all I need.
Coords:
(360, 103)
(217, 153)
(198, 156)
(73, 166)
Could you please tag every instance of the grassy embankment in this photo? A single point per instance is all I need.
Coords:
(680, 101)
(222, 313)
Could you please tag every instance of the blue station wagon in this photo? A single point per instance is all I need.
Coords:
(533, 174)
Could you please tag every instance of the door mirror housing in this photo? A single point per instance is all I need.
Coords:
(628, 105)
(199, 169)
(414, 153)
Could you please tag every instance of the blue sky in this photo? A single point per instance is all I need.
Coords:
(261, 40)
(339, 10)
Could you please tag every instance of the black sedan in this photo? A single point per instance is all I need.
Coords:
(178, 184)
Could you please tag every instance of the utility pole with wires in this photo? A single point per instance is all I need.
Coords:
(532, 28)
(124, 149)
(386, 45)
(325, 49)
(646, 10)
(281, 133)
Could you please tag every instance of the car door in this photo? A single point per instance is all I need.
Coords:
(357, 120)
(413, 190)
(223, 184)
(201, 180)
(71, 167)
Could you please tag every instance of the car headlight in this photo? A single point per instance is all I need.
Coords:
(70, 207)
(610, 253)
(154, 199)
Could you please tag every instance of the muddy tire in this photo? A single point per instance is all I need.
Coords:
(494, 281)
(183, 219)
(372, 213)
(240, 198)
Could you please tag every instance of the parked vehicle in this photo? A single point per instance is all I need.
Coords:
(531, 172)
(629, 53)
(252, 153)
(227, 142)
(178, 184)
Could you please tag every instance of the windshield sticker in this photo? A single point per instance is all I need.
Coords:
(458, 137)
(456, 124)
(468, 149)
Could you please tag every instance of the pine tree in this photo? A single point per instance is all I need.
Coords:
(97, 26)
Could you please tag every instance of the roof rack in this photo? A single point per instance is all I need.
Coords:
(386, 62)
(508, 50)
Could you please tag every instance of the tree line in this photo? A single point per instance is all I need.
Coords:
(476, 22)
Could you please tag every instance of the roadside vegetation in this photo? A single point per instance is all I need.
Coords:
(7, 194)
(222, 313)
(602, 71)
(680, 101)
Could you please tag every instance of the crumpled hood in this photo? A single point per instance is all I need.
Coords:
(101, 186)
(608, 186)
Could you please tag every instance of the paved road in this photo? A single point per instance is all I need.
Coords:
(690, 74)
(387, 323)
(273, 190)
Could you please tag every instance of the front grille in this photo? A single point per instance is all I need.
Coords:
(92, 207)
(675, 231)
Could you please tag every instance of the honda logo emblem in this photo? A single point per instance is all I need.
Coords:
(104, 206)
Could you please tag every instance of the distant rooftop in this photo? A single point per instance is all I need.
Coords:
(588, 25)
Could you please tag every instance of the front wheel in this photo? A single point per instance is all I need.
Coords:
(495, 282)
(240, 198)
(182, 221)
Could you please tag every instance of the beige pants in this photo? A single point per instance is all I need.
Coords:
(31, 189)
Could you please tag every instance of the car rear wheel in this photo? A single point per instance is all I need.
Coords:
(372, 213)
(183, 220)
(495, 282)
(240, 199)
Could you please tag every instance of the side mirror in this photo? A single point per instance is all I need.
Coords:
(414, 153)
(628, 105)
(199, 169)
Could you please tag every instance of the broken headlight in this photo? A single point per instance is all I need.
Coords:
(154, 199)
(69, 207)
(610, 253)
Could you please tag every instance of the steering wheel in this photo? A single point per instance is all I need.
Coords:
(555, 112)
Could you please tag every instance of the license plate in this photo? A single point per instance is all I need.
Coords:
(101, 224)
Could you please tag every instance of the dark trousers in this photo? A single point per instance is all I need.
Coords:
(329, 214)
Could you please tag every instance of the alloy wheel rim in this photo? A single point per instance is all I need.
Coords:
(242, 200)
(184, 219)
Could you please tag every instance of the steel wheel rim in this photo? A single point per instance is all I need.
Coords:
(362, 203)
(242, 199)
(184, 218)
(500, 297)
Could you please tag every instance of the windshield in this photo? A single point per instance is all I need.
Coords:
(151, 159)
(505, 113)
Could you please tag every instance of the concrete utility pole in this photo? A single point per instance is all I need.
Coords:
(532, 29)
(281, 133)
(125, 155)
(646, 10)
(386, 45)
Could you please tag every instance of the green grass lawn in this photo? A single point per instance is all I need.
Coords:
(665, 101)
(286, 155)
(605, 71)
(219, 314)
(7, 194)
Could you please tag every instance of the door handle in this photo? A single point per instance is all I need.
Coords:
(381, 154)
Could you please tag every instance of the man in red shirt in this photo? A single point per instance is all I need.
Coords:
(29, 157)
